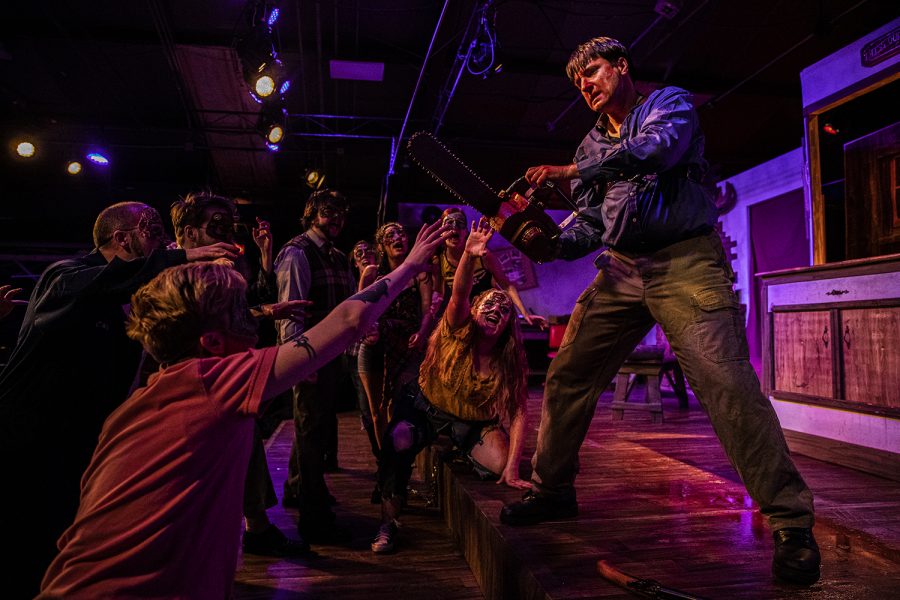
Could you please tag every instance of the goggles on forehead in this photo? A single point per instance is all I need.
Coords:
(455, 221)
(221, 226)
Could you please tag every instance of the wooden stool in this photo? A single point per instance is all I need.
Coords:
(646, 364)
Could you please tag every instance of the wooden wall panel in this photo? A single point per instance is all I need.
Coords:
(870, 342)
(803, 362)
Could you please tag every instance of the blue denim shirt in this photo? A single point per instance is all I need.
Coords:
(641, 192)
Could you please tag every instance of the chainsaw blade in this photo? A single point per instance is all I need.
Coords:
(452, 173)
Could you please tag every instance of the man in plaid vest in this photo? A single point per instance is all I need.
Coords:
(309, 267)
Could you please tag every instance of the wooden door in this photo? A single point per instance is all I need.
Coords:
(870, 343)
(803, 344)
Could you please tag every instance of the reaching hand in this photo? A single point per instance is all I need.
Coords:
(262, 236)
(213, 252)
(7, 302)
(429, 238)
(512, 480)
(292, 310)
(476, 243)
(536, 320)
(541, 173)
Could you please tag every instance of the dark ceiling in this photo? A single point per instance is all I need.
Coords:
(157, 85)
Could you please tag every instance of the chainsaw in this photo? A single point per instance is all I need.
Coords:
(516, 213)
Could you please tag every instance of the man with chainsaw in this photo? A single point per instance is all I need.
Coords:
(636, 181)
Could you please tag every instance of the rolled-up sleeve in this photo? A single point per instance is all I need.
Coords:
(293, 276)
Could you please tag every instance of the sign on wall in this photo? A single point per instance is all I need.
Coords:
(517, 267)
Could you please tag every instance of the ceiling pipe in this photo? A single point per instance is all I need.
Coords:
(395, 144)
(463, 53)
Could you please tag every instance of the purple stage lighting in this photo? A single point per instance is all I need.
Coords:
(273, 16)
(97, 158)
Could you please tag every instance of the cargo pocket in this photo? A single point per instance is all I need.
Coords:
(718, 329)
(581, 305)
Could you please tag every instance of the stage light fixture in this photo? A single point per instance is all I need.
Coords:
(97, 158)
(272, 147)
(483, 48)
(73, 168)
(272, 123)
(314, 178)
(25, 149)
(273, 16)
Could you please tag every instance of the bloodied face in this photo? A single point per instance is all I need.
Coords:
(458, 232)
(363, 255)
(492, 311)
(148, 234)
(393, 240)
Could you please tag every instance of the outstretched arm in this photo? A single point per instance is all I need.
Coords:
(476, 246)
(350, 319)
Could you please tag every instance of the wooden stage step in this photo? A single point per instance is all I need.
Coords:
(659, 501)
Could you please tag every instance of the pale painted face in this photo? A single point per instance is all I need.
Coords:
(363, 255)
(459, 232)
(394, 242)
(492, 312)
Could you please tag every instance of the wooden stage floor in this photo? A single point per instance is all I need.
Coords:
(659, 501)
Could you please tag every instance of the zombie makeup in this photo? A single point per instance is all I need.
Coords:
(330, 211)
(454, 221)
(150, 233)
(220, 226)
(363, 254)
(492, 309)
(392, 236)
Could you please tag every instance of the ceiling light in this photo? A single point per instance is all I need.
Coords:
(25, 149)
(272, 123)
(97, 158)
(264, 86)
(73, 168)
(314, 178)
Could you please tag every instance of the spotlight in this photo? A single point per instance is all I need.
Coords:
(830, 129)
(262, 70)
(314, 178)
(272, 124)
(272, 147)
(73, 168)
(97, 159)
(25, 149)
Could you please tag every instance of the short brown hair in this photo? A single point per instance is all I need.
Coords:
(190, 210)
(321, 198)
(598, 47)
(171, 312)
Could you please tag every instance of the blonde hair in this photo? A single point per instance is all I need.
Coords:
(507, 361)
(171, 312)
